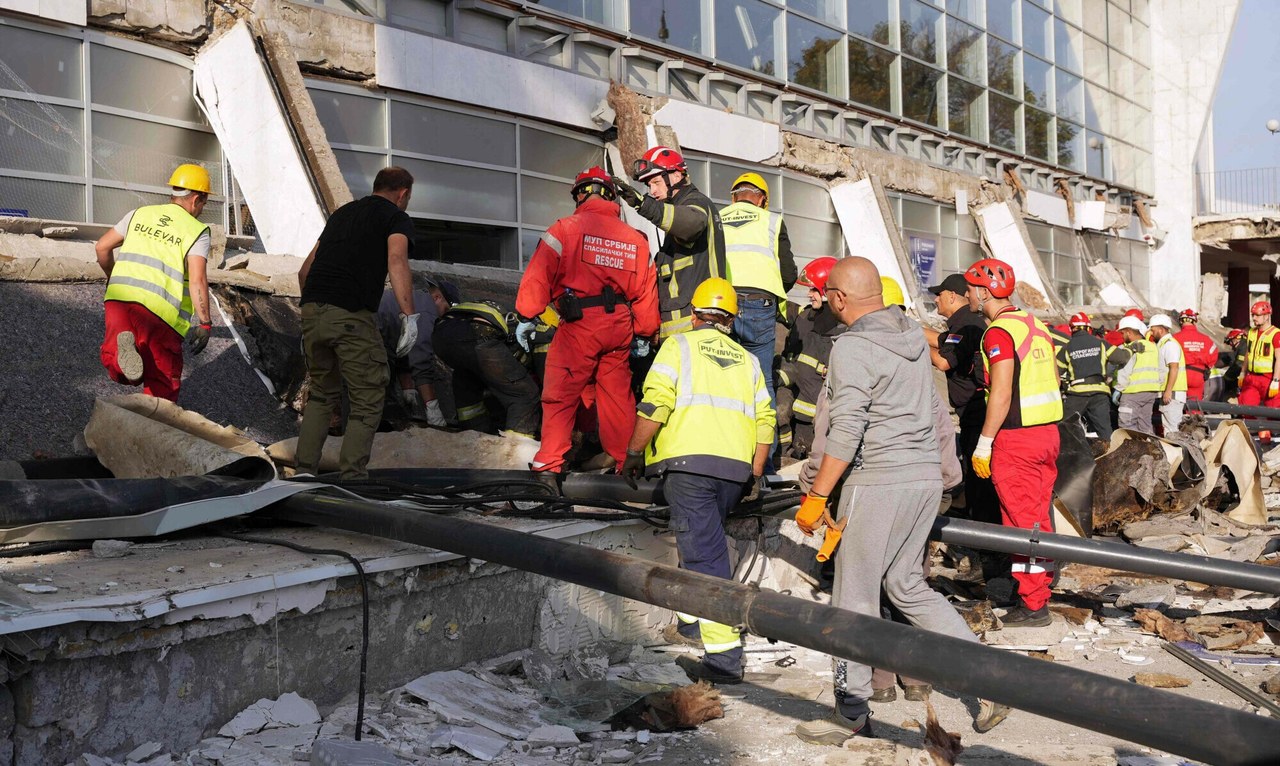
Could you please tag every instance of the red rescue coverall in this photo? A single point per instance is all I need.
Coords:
(585, 252)
(1202, 355)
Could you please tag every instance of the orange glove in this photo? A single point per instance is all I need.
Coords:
(981, 460)
(812, 509)
(830, 540)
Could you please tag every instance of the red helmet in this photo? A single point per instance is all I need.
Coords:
(993, 274)
(1261, 307)
(816, 273)
(1234, 335)
(1188, 315)
(1079, 320)
(1135, 313)
(593, 180)
(656, 161)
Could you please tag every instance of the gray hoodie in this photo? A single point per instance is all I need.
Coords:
(881, 387)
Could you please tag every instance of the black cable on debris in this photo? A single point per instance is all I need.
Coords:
(364, 599)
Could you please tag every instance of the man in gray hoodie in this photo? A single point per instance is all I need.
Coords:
(880, 385)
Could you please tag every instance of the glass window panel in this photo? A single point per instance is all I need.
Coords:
(1119, 30)
(678, 23)
(964, 51)
(1070, 96)
(110, 205)
(829, 11)
(480, 29)
(428, 16)
(967, 228)
(1002, 67)
(806, 199)
(965, 109)
(1038, 127)
(351, 119)
(969, 10)
(947, 261)
(543, 201)
(921, 27)
(920, 92)
(1036, 29)
(813, 54)
(698, 174)
(870, 19)
(1071, 10)
(1037, 81)
(870, 75)
(1070, 145)
(443, 133)
(41, 138)
(1141, 85)
(1142, 43)
(969, 253)
(1095, 18)
(1067, 45)
(40, 63)
(948, 220)
(556, 155)
(922, 216)
(592, 10)
(1096, 151)
(44, 199)
(1095, 60)
(1002, 19)
(1142, 11)
(359, 168)
(1066, 267)
(142, 84)
(745, 35)
(1121, 74)
(460, 191)
(141, 152)
(813, 238)
(1041, 235)
(1004, 121)
(722, 178)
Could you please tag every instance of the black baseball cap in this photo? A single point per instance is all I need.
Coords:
(954, 282)
(448, 289)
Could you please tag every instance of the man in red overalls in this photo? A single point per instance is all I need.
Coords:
(596, 270)
(1261, 382)
(1201, 353)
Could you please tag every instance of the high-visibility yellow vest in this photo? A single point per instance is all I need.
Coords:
(1145, 376)
(1262, 359)
(704, 388)
(151, 265)
(1037, 399)
(751, 247)
(1180, 382)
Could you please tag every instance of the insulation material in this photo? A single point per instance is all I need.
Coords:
(869, 231)
(235, 93)
(717, 131)
(1007, 240)
(426, 448)
(1232, 448)
(140, 436)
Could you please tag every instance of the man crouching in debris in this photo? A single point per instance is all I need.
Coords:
(880, 385)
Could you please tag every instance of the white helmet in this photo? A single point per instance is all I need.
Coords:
(1162, 320)
(1133, 323)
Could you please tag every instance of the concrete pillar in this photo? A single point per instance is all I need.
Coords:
(1238, 296)
(1274, 292)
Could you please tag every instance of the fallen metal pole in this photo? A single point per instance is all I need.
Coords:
(1107, 705)
(1239, 410)
(1224, 680)
(1102, 553)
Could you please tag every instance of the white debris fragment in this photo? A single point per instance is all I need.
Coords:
(478, 742)
(146, 750)
(214, 565)
(460, 697)
(621, 755)
(111, 549)
(31, 587)
(289, 710)
(334, 752)
(176, 569)
(642, 736)
(552, 736)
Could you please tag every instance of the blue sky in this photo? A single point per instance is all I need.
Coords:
(1249, 91)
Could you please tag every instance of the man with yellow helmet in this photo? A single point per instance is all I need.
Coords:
(706, 425)
(157, 286)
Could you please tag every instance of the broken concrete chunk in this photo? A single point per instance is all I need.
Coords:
(621, 755)
(31, 587)
(552, 736)
(292, 710)
(337, 752)
(1161, 680)
(60, 232)
(144, 751)
(247, 721)
(1272, 685)
(1147, 596)
(478, 742)
(111, 549)
(89, 759)
(461, 698)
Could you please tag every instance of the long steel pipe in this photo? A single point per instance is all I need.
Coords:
(1136, 713)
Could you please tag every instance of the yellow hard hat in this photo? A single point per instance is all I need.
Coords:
(193, 177)
(756, 180)
(716, 293)
(549, 317)
(892, 292)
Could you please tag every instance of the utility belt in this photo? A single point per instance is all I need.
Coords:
(570, 306)
(769, 298)
(1088, 379)
(1204, 372)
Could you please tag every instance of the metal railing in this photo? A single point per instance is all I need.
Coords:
(1256, 190)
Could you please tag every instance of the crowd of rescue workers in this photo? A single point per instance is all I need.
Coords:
(674, 367)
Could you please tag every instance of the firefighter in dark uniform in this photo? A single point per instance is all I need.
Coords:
(807, 351)
(471, 338)
(1087, 392)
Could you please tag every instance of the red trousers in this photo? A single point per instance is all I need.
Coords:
(158, 344)
(1253, 391)
(595, 349)
(1024, 466)
(1195, 386)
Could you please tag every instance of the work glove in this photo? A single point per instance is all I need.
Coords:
(831, 539)
(1273, 390)
(408, 334)
(198, 337)
(813, 508)
(627, 193)
(1115, 397)
(524, 334)
(435, 416)
(981, 460)
(632, 468)
(639, 348)
(752, 489)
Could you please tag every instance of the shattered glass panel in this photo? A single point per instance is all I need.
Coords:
(38, 63)
(141, 84)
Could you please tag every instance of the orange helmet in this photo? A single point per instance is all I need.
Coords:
(656, 161)
(816, 273)
(993, 274)
(1261, 307)
(1080, 320)
(593, 180)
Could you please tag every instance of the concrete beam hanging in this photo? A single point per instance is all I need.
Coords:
(1006, 237)
(333, 44)
(179, 21)
(869, 231)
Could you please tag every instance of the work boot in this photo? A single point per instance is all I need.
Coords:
(602, 462)
(672, 635)
(917, 692)
(887, 694)
(990, 714)
(551, 479)
(1022, 617)
(835, 730)
(127, 357)
(697, 670)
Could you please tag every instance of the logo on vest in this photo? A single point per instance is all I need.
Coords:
(609, 253)
(165, 221)
(720, 352)
(736, 218)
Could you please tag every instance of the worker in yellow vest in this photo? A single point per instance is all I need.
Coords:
(1019, 444)
(1138, 381)
(1261, 381)
(1173, 372)
(157, 286)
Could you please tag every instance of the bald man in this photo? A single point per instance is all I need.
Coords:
(880, 385)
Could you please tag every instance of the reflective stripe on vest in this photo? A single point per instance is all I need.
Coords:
(809, 361)
(151, 265)
(1262, 360)
(1036, 379)
(674, 323)
(1145, 376)
(751, 247)
(482, 311)
(1179, 383)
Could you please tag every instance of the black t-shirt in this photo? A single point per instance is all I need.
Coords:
(350, 267)
(960, 346)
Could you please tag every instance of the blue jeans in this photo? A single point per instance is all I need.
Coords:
(756, 328)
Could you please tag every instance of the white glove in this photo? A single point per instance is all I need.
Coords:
(408, 334)
(983, 447)
(435, 417)
(524, 334)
